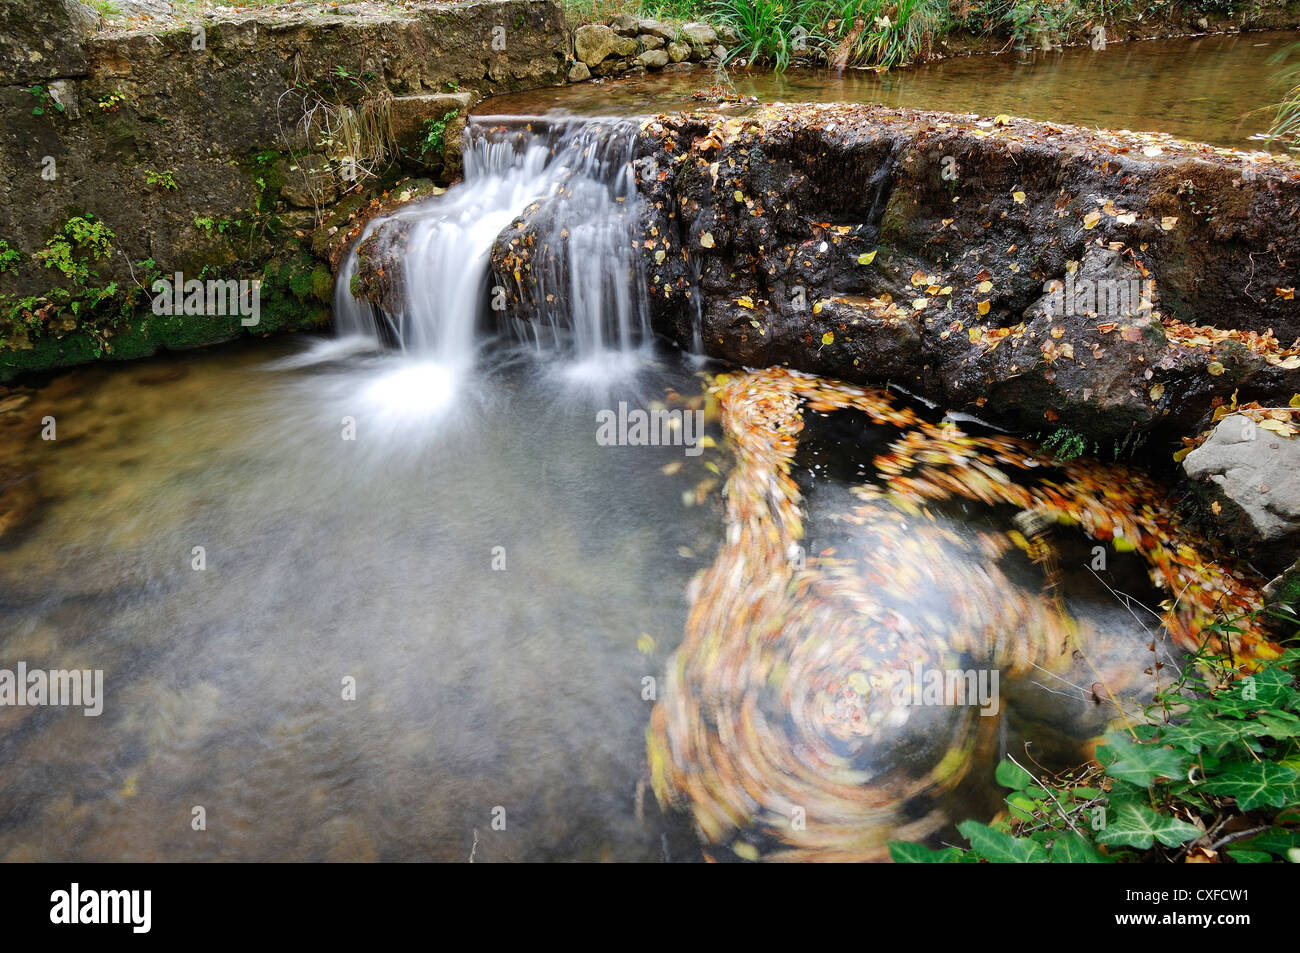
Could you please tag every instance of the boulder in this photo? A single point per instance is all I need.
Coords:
(1253, 475)
(579, 72)
(678, 51)
(649, 42)
(593, 43)
(624, 24)
(665, 31)
(699, 34)
(653, 59)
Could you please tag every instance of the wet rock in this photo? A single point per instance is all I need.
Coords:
(579, 72)
(678, 51)
(653, 59)
(999, 268)
(1251, 477)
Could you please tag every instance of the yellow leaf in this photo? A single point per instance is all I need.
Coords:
(746, 302)
(645, 643)
(1091, 219)
(1295, 401)
(1215, 368)
(866, 258)
(1178, 457)
(1001, 119)
(706, 240)
(739, 195)
(918, 278)
(1286, 294)
(1153, 151)
(1157, 392)
(1216, 507)
(983, 307)
(1277, 426)
(1019, 197)
(1168, 222)
(828, 338)
(920, 303)
(984, 287)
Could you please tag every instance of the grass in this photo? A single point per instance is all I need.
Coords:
(1286, 124)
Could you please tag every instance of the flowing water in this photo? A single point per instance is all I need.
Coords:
(379, 596)
(1208, 89)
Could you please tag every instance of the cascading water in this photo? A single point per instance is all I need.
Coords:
(586, 297)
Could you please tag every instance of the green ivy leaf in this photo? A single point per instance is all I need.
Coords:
(1254, 785)
(1136, 825)
(999, 848)
(905, 853)
(1143, 764)
(1011, 775)
(1073, 848)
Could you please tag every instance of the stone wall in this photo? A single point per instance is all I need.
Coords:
(213, 149)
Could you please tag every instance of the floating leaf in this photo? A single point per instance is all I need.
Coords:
(866, 258)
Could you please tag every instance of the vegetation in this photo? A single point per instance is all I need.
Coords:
(1209, 772)
(434, 132)
(886, 33)
(1286, 124)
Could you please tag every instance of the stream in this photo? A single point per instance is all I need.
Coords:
(388, 595)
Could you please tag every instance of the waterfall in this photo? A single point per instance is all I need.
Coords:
(580, 294)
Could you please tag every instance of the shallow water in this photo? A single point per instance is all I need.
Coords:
(1206, 89)
(325, 558)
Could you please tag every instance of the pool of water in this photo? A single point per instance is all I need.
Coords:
(496, 583)
(1207, 89)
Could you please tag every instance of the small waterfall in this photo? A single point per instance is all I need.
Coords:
(579, 293)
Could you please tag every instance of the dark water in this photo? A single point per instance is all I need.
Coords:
(1207, 89)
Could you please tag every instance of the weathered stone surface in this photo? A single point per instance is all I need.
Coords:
(593, 42)
(649, 42)
(678, 51)
(43, 39)
(841, 220)
(410, 117)
(699, 34)
(309, 182)
(653, 59)
(579, 72)
(624, 24)
(1253, 475)
(151, 9)
(665, 31)
(226, 123)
